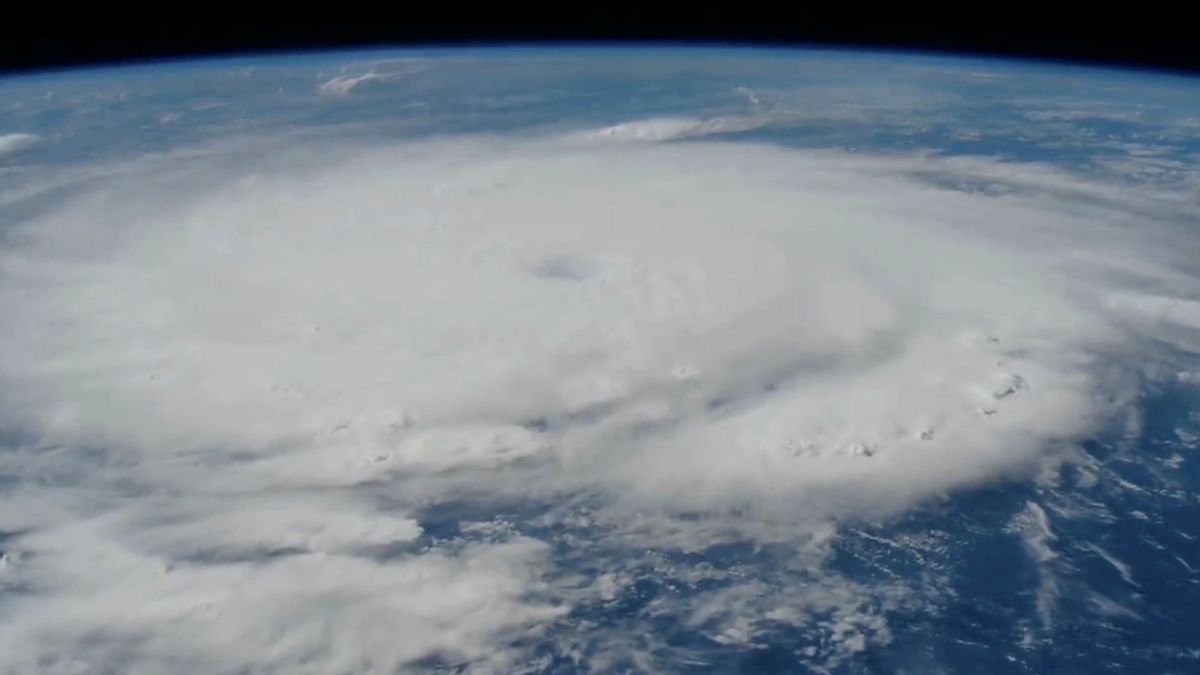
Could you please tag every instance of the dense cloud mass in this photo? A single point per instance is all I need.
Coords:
(237, 385)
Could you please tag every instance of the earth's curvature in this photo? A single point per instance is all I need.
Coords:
(605, 361)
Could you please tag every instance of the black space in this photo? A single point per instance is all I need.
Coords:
(1090, 35)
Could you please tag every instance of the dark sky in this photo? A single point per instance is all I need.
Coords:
(58, 37)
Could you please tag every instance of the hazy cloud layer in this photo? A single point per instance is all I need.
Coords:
(234, 392)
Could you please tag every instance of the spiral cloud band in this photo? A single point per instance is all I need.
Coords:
(236, 385)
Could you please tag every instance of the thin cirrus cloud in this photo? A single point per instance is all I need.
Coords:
(220, 379)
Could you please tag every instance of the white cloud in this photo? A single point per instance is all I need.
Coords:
(342, 85)
(239, 387)
(241, 526)
(13, 142)
(1176, 311)
(410, 325)
(97, 606)
(658, 129)
(1033, 525)
(381, 70)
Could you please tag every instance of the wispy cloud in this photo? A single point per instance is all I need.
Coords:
(10, 143)
(383, 70)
